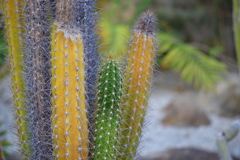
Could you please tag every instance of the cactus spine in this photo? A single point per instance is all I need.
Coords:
(136, 85)
(109, 92)
(13, 9)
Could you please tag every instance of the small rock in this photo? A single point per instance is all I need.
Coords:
(228, 96)
(184, 111)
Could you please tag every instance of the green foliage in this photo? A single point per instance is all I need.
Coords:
(114, 36)
(214, 52)
(194, 66)
(3, 143)
(141, 7)
(3, 48)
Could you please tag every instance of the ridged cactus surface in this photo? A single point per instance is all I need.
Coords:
(107, 115)
(136, 85)
(70, 127)
(13, 9)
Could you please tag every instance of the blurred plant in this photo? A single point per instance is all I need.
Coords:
(194, 65)
(116, 27)
(3, 48)
(236, 20)
(3, 144)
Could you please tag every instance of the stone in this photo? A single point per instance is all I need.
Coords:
(184, 111)
(228, 96)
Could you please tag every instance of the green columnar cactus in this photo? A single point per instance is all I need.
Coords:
(136, 85)
(109, 92)
(13, 9)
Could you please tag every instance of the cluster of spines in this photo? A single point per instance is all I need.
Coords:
(109, 92)
(13, 9)
(136, 85)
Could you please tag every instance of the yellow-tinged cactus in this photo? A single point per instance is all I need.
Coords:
(70, 126)
(136, 85)
(13, 11)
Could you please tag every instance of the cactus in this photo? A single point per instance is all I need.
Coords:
(86, 21)
(69, 119)
(136, 85)
(226, 136)
(70, 126)
(109, 92)
(64, 111)
(13, 9)
(36, 51)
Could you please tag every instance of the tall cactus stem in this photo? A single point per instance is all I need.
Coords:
(37, 77)
(13, 11)
(136, 85)
(109, 92)
(70, 127)
(86, 17)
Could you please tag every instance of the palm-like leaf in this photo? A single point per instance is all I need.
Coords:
(194, 66)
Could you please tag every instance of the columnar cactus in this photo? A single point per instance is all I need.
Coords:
(70, 126)
(136, 85)
(13, 9)
(69, 118)
(86, 21)
(37, 77)
(107, 115)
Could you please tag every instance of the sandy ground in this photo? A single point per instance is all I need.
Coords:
(159, 138)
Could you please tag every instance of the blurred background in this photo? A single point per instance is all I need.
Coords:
(196, 85)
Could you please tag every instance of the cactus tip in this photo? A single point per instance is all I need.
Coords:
(146, 23)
